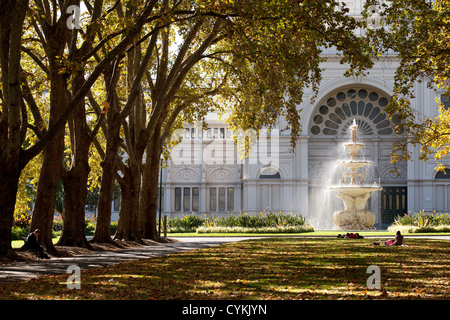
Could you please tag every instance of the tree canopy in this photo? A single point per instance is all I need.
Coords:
(419, 32)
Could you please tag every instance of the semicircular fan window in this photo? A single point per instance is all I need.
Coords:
(363, 128)
(335, 114)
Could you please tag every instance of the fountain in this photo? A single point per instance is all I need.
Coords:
(353, 190)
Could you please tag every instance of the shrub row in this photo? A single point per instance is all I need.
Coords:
(20, 232)
(196, 223)
(415, 229)
(276, 229)
(421, 222)
(423, 219)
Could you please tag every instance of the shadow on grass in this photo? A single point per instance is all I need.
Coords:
(273, 268)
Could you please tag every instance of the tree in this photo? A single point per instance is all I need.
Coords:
(419, 32)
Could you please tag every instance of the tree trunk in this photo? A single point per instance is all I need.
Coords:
(103, 223)
(44, 209)
(73, 232)
(149, 195)
(75, 180)
(128, 227)
(8, 192)
(12, 16)
(75, 192)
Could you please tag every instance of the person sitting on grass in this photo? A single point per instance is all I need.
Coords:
(32, 243)
(397, 241)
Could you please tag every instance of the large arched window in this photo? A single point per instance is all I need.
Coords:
(443, 174)
(269, 173)
(336, 113)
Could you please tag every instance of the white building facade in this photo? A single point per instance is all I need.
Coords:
(207, 176)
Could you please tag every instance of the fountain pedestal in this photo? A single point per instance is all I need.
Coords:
(354, 216)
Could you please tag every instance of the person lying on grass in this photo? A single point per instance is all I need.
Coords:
(350, 236)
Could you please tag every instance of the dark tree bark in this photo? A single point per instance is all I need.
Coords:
(73, 232)
(75, 180)
(8, 190)
(130, 185)
(103, 224)
(149, 194)
(12, 15)
(44, 209)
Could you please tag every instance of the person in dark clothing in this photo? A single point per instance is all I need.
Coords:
(32, 242)
(398, 239)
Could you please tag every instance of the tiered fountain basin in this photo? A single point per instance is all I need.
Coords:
(353, 148)
(354, 164)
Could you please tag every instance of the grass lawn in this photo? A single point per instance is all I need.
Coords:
(379, 233)
(272, 268)
(331, 233)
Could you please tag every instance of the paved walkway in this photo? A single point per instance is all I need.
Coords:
(25, 270)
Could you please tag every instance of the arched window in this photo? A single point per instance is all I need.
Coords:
(336, 113)
(443, 174)
(269, 173)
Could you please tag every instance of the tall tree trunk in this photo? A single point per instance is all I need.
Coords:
(102, 232)
(44, 209)
(42, 218)
(75, 180)
(103, 223)
(130, 185)
(149, 194)
(8, 192)
(12, 15)
(75, 191)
